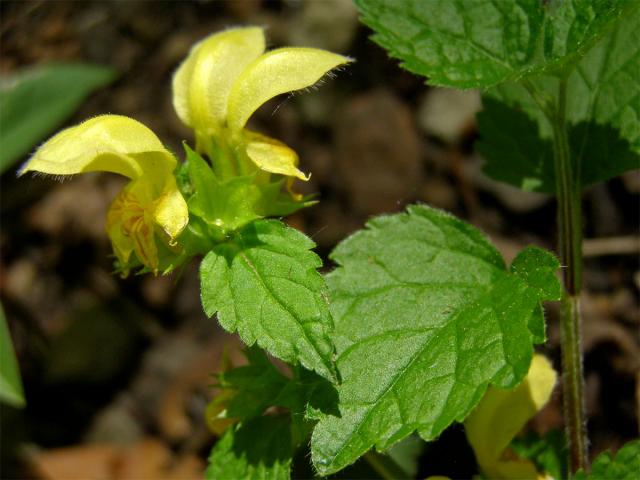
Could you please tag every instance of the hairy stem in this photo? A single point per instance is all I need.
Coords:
(568, 191)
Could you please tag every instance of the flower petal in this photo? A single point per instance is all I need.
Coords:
(272, 156)
(170, 211)
(278, 71)
(202, 83)
(106, 143)
(501, 414)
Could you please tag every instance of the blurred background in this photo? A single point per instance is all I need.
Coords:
(117, 373)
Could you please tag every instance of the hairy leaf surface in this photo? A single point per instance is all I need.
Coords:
(603, 112)
(427, 316)
(263, 284)
(464, 44)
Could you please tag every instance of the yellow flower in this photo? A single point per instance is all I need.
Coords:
(227, 76)
(501, 414)
(151, 202)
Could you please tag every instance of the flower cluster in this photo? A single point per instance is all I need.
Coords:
(223, 80)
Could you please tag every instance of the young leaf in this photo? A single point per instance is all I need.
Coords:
(259, 449)
(624, 465)
(603, 111)
(256, 386)
(35, 102)
(10, 382)
(427, 316)
(464, 44)
(264, 284)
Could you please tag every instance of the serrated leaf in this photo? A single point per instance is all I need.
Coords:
(264, 284)
(516, 154)
(33, 103)
(464, 44)
(603, 111)
(257, 386)
(10, 382)
(427, 316)
(624, 465)
(259, 449)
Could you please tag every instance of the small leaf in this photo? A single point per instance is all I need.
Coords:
(259, 449)
(264, 284)
(10, 383)
(33, 103)
(464, 44)
(624, 465)
(427, 316)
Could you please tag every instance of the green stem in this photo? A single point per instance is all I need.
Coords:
(385, 466)
(568, 191)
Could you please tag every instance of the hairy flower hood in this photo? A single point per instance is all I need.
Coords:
(118, 144)
(228, 76)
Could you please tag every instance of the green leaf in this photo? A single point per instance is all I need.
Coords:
(603, 111)
(605, 87)
(427, 316)
(264, 284)
(625, 465)
(33, 103)
(258, 385)
(10, 383)
(516, 154)
(464, 44)
(248, 391)
(512, 147)
(259, 449)
(548, 453)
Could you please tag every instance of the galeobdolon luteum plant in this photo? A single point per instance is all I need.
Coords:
(421, 324)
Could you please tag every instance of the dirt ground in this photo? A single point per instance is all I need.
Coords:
(117, 373)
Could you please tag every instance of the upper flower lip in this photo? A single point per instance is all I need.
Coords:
(227, 77)
(109, 143)
(119, 144)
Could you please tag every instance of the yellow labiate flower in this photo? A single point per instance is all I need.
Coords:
(227, 76)
(501, 414)
(149, 204)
